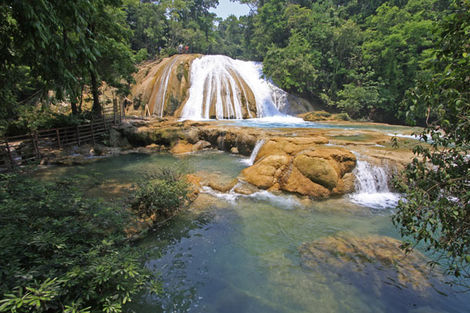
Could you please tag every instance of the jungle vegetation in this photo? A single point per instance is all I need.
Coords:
(393, 61)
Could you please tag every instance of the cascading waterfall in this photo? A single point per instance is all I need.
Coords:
(372, 187)
(223, 88)
(254, 153)
(160, 98)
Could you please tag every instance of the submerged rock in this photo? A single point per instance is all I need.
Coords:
(378, 259)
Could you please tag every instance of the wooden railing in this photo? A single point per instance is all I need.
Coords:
(29, 148)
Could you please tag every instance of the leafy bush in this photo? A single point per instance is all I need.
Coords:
(160, 194)
(141, 55)
(61, 252)
(343, 116)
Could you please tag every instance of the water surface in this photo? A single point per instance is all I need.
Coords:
(241, 254)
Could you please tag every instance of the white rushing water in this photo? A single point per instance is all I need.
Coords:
(162, 90)
(286, 202)
(254, 153)
(223, 84)
(372, 187)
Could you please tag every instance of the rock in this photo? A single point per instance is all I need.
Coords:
(192, 136)
(345, 185)
(206, 201)
(223, 186)
(324, 116)
(289, 145)
(298, 165)
(317, 169)
(298, 183)
(100, 149)
(116, 139)
(194, 180)
(201, 145)
(153, 147)
(234, 150)
(376, 258)
(183, 147)
(245, 188)
(265, 173)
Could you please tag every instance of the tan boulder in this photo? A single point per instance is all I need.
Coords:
(222, 186)
(344, 160)
(317, 169)
(298, 183)
(289, 145)
(245, 188)
(182, 147)
(265, 173)
(201, 145)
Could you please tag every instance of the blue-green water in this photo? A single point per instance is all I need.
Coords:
(241, 255)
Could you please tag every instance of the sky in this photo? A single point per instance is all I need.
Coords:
(227, 7)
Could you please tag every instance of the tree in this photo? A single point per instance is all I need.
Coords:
(60, 46)
(436, 212)
(395, 47)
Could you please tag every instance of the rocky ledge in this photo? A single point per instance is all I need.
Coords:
(310, 161)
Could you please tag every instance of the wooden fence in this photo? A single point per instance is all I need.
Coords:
(29, 148)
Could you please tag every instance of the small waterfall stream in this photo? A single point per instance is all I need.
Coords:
(372, 187)
(254, 153)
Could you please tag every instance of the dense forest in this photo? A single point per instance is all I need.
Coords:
(399, 61)
(352, 56)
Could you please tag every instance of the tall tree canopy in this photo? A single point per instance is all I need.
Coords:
(60, 46)
(437, 183)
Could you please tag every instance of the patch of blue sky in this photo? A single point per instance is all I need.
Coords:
(227, 8)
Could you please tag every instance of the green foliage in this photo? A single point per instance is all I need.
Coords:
(141, 55)
(358, 57)
(60, 46)
(358, 101)
(61, 252)
(436, 212)
(161, 194)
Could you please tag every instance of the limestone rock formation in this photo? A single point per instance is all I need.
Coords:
(162, 86)
(183, 147)
(192, 86)
(300, 166)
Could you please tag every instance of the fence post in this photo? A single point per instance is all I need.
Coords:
(12, 161)
(121, 111)
(77, 134)
(92, 133)
(115, 110)
(34, 138)
(58, 138)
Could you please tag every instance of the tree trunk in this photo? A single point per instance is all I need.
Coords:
(73, 103)
(94, 90)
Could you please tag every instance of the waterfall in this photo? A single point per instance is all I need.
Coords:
(254, 153)
(160, 98)
(223, 88)
(372, 187)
